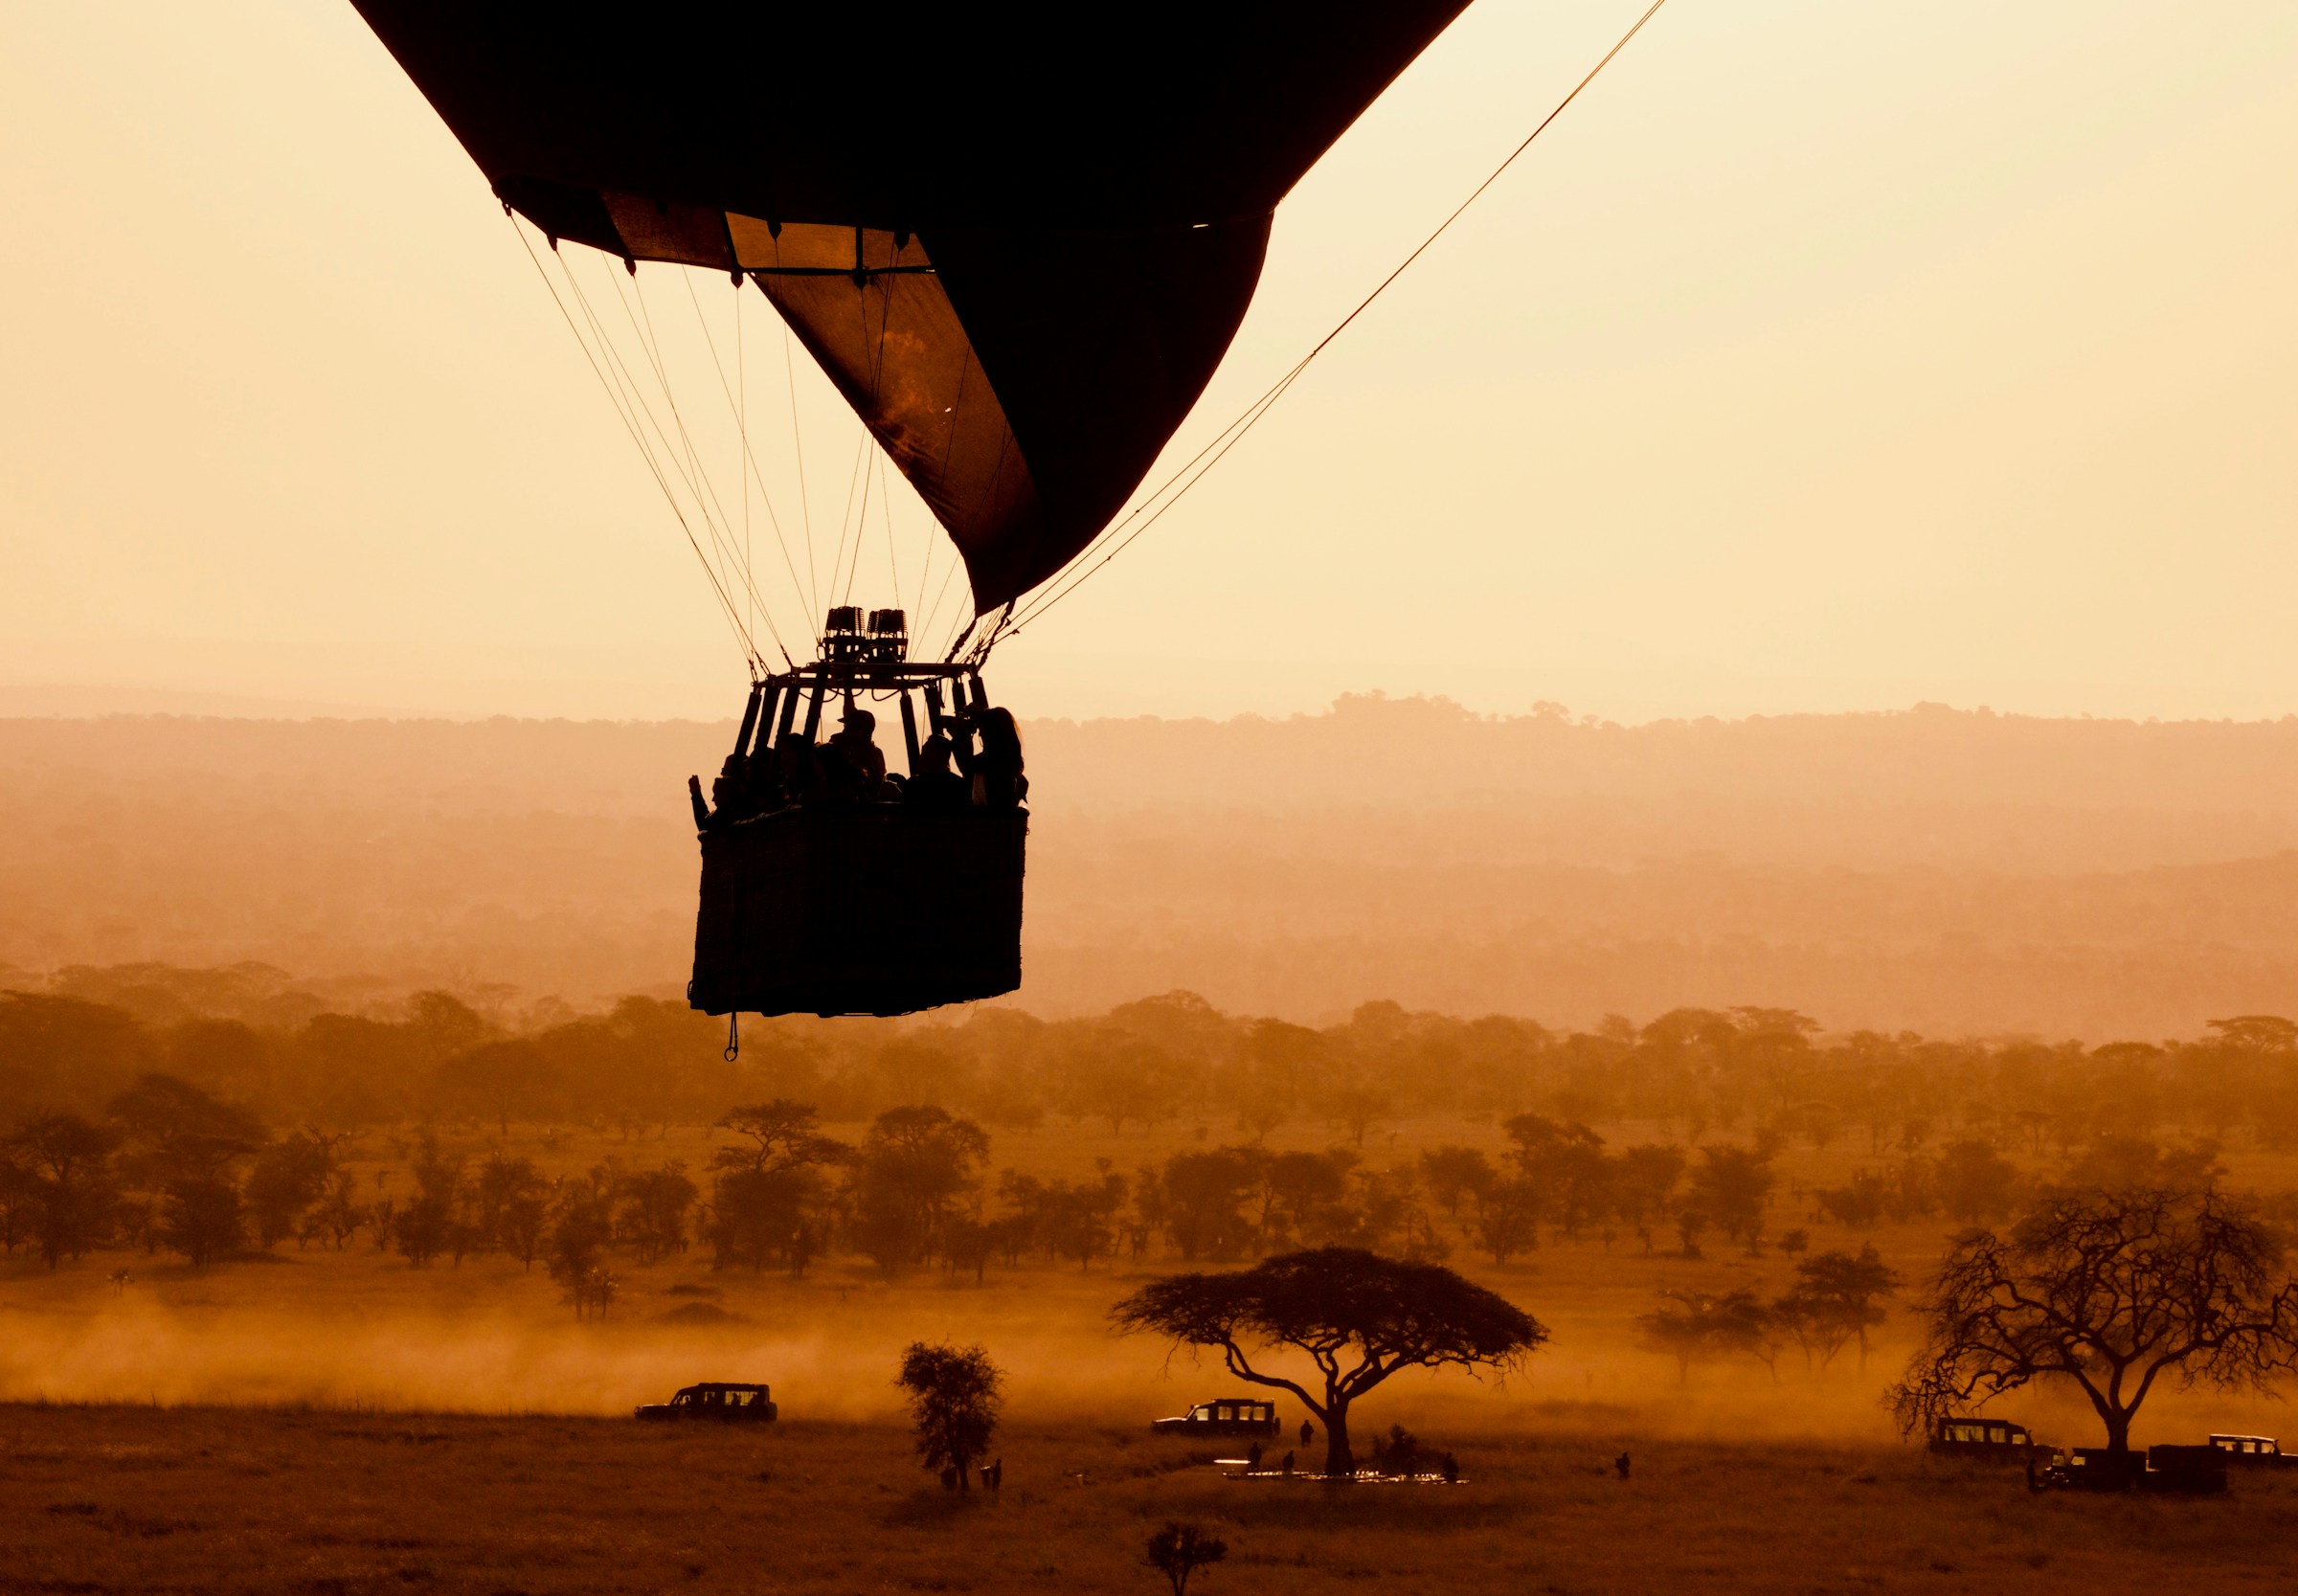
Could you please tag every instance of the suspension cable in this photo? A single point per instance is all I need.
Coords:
(726, 605)
(722, 526)
(636, 400)
(1146, 514)
(797, 453)
(742, 430)
(861, 522)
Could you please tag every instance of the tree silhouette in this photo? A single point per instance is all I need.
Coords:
(1453, 1172)
(955, 1397)
(2112, 1290)
(287, 1177)
(913, 1167)
(63, 1168)
(1508, 1218)
(1179, 1550)
(1832, 1303)
(1360, 1317)
(1693, 1327)
(1978, 1184)
(1730, 1186)
(1202, 1195)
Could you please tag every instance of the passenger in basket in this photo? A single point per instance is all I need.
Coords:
(933, 785)
(996, 769)
(799, 768)
(729, 793)
(851, 764)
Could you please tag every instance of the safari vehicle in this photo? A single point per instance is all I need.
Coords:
(718, 1400)
(1230, 1416)
(1981, 1438)
(2252, 1451)
(2170, 1470)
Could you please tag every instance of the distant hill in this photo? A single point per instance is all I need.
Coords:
(1944, 870)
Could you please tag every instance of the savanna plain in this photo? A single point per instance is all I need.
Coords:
(315, 1419)
(395, 1172)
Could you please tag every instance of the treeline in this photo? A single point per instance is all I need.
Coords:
(169, 1166)
(1696, 1073)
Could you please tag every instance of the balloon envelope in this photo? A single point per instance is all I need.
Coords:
(1018, 237)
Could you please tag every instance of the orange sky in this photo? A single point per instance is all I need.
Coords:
(1822, 356)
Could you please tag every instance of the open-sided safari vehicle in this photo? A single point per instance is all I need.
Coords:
(715, 1399)
(2251, 1451)
(1981, 1438)
(1230, 1416)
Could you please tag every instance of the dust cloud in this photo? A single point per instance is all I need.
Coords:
(841, 1370)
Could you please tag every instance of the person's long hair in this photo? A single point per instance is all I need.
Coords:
(1001, 736)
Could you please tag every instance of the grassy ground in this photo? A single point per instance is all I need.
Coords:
(463, 1432)
(316, 1502)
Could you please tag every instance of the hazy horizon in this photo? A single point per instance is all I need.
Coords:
(1953, 872)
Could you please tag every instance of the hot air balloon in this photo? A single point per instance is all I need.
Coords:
(1018, 240)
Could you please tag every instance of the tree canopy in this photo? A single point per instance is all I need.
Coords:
(1358, 1316)
(955, 1397)
(2112, 1290)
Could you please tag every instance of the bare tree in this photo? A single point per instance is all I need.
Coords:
(2112, 1291)
(1360, 1317)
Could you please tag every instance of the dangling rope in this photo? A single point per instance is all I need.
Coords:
(1145, 514)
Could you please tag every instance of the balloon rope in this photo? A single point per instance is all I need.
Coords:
(726, 605)
(721, 525)
(697, 485)
(893, 566)
(740, 406)
(797, 453)
(854, 474)
(1144, 515)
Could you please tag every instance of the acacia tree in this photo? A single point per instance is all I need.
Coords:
(1693, 1327)
(767, 1199)
(1834, 1302)
(2112, 1291)
(955, 1397)
(1359, 1317)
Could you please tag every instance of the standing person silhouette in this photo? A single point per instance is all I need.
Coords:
(999, 781)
